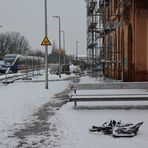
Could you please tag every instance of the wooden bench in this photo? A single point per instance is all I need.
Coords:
(108, 97)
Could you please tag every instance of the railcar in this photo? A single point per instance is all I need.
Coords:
(18, 62)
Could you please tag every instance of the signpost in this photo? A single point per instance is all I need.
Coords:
(46, 43)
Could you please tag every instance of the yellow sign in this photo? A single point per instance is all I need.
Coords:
(45, 42)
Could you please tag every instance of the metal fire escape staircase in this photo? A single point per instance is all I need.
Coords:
(91, 33)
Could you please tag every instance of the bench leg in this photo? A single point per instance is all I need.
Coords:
(75, 104)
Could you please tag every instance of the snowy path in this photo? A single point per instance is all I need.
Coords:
(21, 105)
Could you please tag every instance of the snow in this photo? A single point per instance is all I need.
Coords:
(77, 123)
(19, 100)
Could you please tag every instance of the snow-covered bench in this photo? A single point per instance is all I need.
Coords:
(107, 97)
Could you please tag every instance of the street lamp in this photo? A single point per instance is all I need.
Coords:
(1, 28)
(1, 44)
(64, 44)
(77, 51)
(46, 48)
(59, 44)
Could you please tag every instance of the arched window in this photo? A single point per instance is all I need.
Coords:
(115, 5)
(130, 54)
(109, 58)
(115, 55)
(123, 62)
(115, 47)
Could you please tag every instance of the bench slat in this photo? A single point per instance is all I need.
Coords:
(139, 97)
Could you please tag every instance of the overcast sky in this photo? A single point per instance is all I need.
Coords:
(27, 17)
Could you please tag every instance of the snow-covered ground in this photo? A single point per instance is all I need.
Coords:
(19, 100)
(77, 122)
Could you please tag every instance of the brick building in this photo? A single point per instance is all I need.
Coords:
(124, 32)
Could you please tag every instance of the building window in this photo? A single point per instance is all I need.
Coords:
(115, 48)
(115, 55)
(115, 5)
(130, 55)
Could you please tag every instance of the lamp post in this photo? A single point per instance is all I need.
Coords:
(77, 51)
(46, 49)
(1, 28)
(63, 44)
(1, 42)
(59, 44)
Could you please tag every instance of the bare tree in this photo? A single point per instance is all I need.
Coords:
(13, 42)
(36, 52)
(39, 53)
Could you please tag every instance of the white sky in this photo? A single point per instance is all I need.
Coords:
(27, 17)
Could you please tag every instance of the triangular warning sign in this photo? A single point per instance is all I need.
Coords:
(45, 41)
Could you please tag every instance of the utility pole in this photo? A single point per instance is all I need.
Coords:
(64, 44)
(77, 51)
(46, 49)
(45, 43)
(1, 42)
(1, 28)
(59, 44)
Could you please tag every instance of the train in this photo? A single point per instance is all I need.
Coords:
(17, 62)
